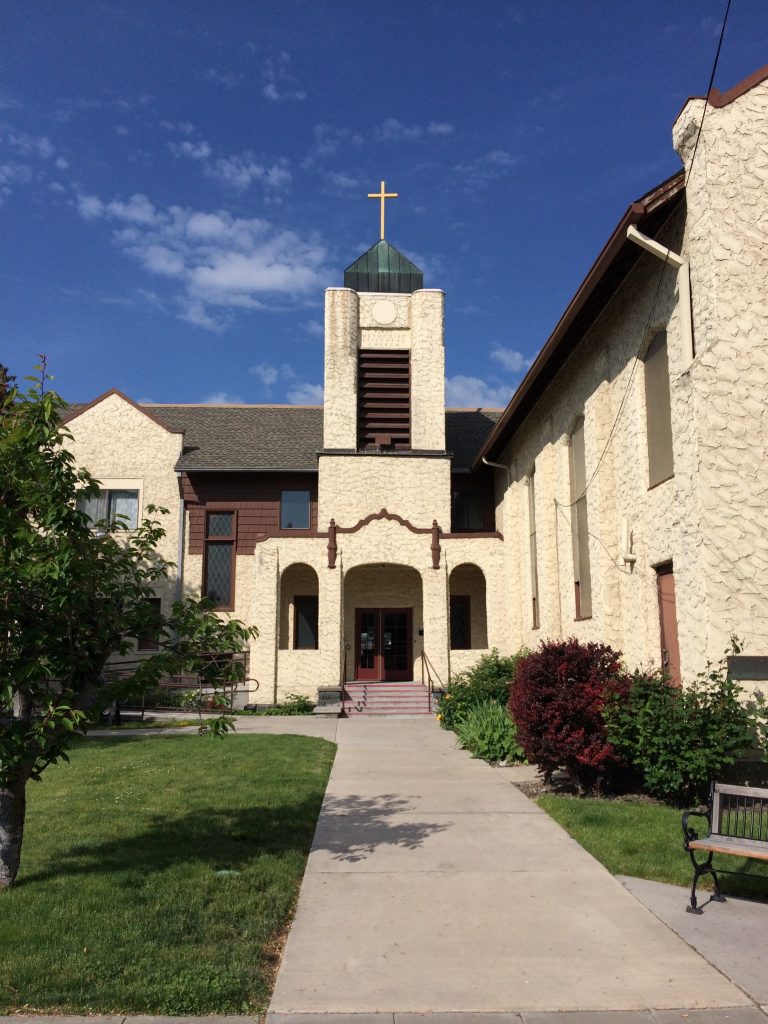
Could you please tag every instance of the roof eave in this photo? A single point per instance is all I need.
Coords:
(651, 202)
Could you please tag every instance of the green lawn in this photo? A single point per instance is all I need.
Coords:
(159, 874)
(644, 840)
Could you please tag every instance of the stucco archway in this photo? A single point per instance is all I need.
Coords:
(468, 613)
(298, 606)
(383, 622)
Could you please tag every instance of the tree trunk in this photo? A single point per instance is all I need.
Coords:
(13, 803)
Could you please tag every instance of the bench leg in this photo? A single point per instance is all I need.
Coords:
(717, 896)
(699, 870)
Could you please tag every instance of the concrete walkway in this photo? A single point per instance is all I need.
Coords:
(733, 935)
(434, 885)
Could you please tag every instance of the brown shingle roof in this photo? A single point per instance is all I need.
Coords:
(249, 438)
(220, 437)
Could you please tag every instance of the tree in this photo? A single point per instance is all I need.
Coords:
(71, 597)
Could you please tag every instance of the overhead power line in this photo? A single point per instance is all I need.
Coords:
(652, 310)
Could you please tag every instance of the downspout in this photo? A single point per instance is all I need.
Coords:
(278, 616)
(180, 555)
(683, 286)
(500, 465)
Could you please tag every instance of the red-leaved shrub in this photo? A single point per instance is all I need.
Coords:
(557, 702)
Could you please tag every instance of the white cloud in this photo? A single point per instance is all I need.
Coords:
(27, 145)
(337, 182)
(200, 150)
(90, 207)
(220, 262)
(229, 79)
(439, 128)
(328, 141)
(240, 171)
(473, 393)
(315, 328)
(268, 375)
(510, 359)
(185, 127)
(123, 130)
(31, 148)
(487, 168)
(306, 394)
(280, 82)
(13, 174)
(222, 398)
(392, 130)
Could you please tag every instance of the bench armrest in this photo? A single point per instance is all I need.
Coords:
(689, 833)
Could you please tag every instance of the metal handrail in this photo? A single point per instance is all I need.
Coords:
(430, 668)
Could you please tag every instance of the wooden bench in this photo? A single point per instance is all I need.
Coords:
(737, 817)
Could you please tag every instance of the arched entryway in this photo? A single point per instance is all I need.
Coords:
(298, 608)
(468, 616)
(383, 622)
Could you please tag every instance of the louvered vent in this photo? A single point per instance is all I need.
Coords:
(383, 399)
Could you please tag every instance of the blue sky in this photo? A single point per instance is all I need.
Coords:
(180, 180)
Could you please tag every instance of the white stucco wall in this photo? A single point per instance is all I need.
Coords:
(351, 487)
(125, 449)
(413, 323)
(726, 479)
(710, 519)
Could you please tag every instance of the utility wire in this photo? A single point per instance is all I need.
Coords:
(652, 310)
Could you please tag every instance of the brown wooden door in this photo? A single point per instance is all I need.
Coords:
(383, 644)
(670, 647)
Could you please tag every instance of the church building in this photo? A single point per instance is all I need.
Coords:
(620, 497)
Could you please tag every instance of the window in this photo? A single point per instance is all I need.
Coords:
(149, 642)
(383, 399)
(294, 510)
(461, 623)
(658, 411)
(532, 538)
(112, 506)
(219, 568)
(467, 512)
(579, 524)
(305, 623)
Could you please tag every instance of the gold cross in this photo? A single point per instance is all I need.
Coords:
(383, 195)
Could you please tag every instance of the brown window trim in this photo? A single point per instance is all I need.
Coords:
(230, 539)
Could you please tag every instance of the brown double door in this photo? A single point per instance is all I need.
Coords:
(383, 644)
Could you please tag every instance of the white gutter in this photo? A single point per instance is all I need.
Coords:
(500, 465)
(683, 285)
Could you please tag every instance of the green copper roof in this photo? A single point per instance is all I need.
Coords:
(383, 269)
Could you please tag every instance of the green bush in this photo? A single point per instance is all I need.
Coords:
(488, 680)
(294, 704)
(159, 698)
(488, 732)
(679, 740)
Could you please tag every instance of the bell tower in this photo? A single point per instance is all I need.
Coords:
(385, 372)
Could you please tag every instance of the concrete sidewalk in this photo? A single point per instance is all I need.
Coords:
(434, 886)
(733, 936)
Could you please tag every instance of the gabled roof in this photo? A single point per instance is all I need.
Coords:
(76, 410)
(280, 438)
(609, 270)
